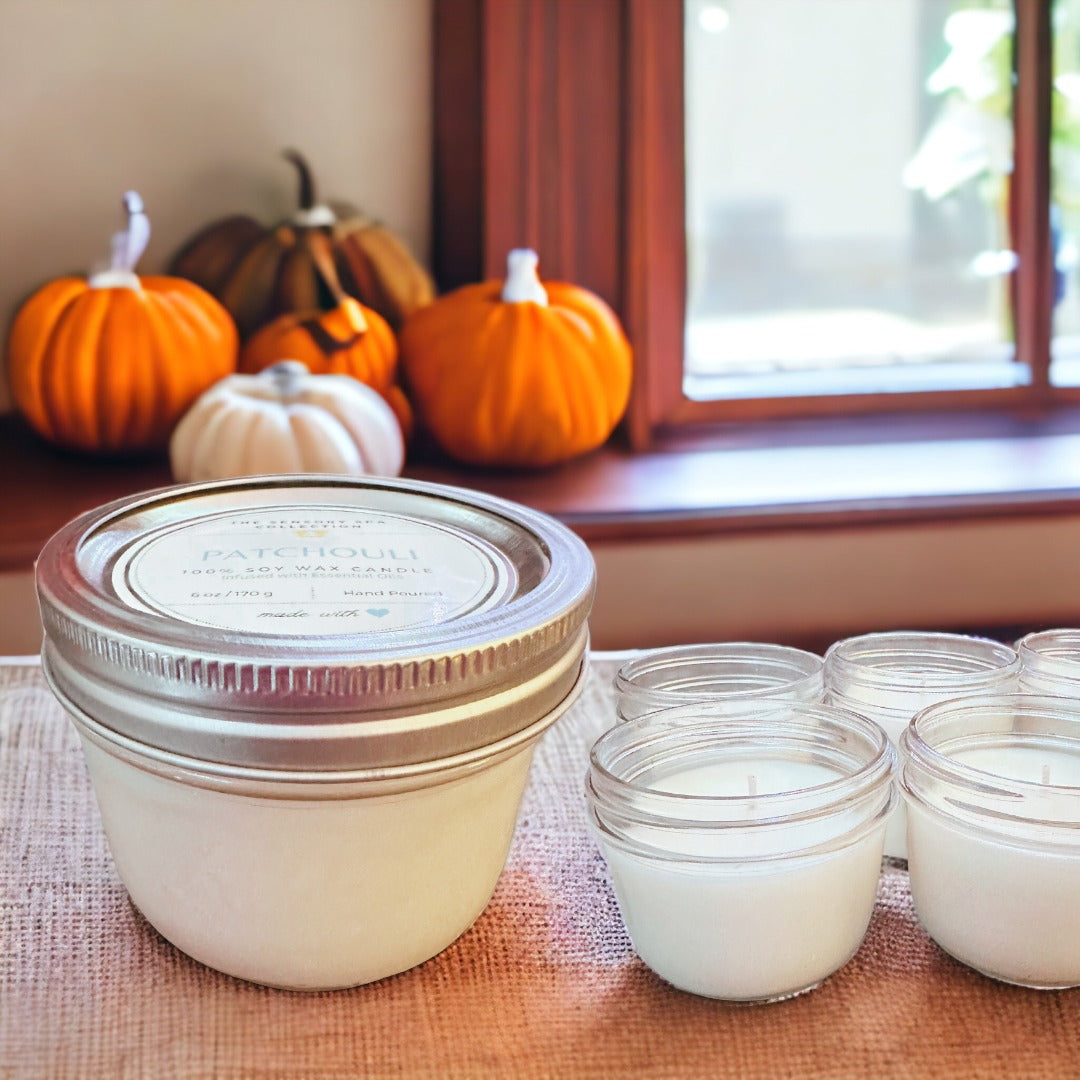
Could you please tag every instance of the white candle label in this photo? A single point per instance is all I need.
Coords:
(340, 570)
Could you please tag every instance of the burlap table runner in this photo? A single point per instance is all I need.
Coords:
(545, 984)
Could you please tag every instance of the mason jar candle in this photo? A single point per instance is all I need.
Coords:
(1050, 662)
(744, 850)
(889, 676)
(992, 788)
(308, 707)
(734, 676)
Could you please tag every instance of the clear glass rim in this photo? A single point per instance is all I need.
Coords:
(970, 662)
(796, 669)
(837, 735)
(1051, 653)
(858, 800)
(980, 797)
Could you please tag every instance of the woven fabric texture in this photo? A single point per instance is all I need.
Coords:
(545, 983)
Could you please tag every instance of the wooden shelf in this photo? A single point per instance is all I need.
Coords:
(746, 479)
(43, 488)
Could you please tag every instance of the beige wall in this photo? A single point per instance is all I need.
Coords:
(190, 102)
(794, 586)
(820, 584)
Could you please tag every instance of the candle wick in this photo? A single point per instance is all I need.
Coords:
(751, 784)
(1046, 774)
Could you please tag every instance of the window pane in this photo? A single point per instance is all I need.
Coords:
(1065, 193)
(847, 165)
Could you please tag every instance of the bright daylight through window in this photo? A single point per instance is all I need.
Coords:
(848, 189)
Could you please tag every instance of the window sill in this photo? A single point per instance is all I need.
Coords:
(803, 475)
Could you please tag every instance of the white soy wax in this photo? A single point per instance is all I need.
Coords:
(266, 880)
(1031, 764)
(993, 795)
(756, 776)
(890, 676)
(744, 855)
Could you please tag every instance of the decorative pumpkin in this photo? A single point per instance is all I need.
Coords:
(349, 339)
(286, 420)
(258, 273)
(517, 373)
(110, 362)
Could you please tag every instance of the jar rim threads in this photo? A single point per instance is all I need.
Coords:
(1050, 660)
(737, 673)
(933, 771)
(921, 660)
(629, 762)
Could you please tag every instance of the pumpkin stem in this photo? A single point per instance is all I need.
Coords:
(325, 342)
(311, 214)
(286, 376)
(307, 182)
(318, 247)
(522, 280)
(128, 246)
(322, 255)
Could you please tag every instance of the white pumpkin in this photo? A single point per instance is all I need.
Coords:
(286, 420)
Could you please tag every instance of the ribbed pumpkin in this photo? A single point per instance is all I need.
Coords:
(349, 339)
(285, 420)
(516, 372)
(259, 273)
(109, 363)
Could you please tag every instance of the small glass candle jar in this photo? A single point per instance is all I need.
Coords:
(308, 706)
(733, 676)
(890, 676)
(744, 850)
(1050, 663)
(992, 788)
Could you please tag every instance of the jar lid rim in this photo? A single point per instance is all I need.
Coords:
(127, 646)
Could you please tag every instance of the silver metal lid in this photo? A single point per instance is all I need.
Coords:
(314, 622)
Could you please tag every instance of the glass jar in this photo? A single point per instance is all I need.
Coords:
(992, 789)
(1050, 662)
(889, 676)
(734, 676)
(744, 850)
(315, 699)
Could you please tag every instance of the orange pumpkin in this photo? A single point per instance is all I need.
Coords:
(110, 362)
(517, 373)
(259, 273)
(350, 339)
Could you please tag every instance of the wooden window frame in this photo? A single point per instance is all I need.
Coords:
(559, 126)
